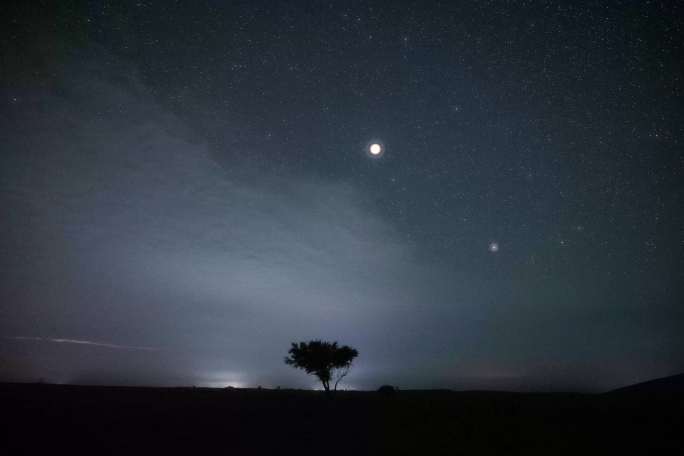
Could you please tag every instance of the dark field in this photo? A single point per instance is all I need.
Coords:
(50, 419)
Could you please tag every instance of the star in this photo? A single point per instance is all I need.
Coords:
(375, 150)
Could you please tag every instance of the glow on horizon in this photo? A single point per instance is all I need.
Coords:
(223, 380)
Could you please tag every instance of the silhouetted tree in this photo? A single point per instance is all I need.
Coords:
(325, 360)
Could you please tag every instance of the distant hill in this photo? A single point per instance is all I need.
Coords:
(671, 384)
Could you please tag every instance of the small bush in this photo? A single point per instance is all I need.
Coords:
(387, 390)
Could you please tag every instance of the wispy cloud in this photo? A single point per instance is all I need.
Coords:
(83, 342)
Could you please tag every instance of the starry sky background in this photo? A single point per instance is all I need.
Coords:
(186, 189)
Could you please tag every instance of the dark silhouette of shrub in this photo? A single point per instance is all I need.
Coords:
(326, 360)
(387, 390)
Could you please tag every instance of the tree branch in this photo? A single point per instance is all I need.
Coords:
(342, 374)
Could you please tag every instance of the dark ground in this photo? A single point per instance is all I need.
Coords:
(52, 419)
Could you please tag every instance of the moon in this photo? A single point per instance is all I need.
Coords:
(375, 149)
(493, 246)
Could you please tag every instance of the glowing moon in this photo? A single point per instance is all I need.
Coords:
(494, 247)
(375, 149)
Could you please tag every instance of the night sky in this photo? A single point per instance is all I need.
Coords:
(186, 188)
